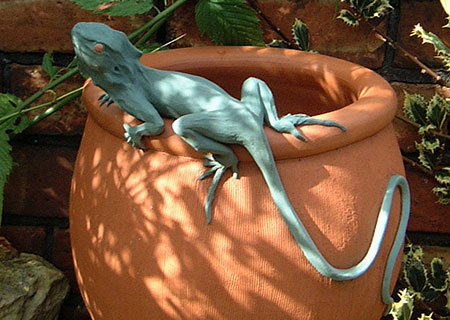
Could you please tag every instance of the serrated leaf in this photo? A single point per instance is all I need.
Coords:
(116, 8)
(415, 274)
(6, 165)
(376, 9)
(437, 111)
(443, 193)
(438, 275)
(47, 65)
(229, 22)
(443, 176)
(301, 34)
(415, 108)
(440, 48)
(425, 317)
(348, 18)
(279, 44)
(446, 5)
(403, 309)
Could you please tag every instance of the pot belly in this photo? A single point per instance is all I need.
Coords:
(143, 250)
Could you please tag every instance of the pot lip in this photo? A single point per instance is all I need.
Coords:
(373, 109)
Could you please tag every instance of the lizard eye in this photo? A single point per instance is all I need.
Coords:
(99, 48)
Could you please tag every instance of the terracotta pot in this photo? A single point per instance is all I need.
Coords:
(141, 244)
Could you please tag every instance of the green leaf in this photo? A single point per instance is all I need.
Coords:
(14, 124)
(425, 317)
(116, 8)
(437, 111)
(301, 34)
(47, 65)
(438, 275)
(443, 176)
(229, 22)
(348, 18)
(446, 5)
(376, 9)
(279, 44)
(416, 275)
(403, 309)
(443, 193)
(415, 108)
(440, 48)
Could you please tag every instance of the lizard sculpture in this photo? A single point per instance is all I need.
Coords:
(208, 119)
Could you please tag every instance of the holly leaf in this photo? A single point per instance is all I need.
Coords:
(348, 18)
(116, 8)
(437, 110)
(279, 44)
(301, 34)
(443, 176)
(443, 193)
(229, 22)
(415, 108)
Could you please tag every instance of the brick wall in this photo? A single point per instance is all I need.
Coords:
(36, 197)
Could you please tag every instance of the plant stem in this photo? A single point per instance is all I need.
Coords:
(160, 16)
(418, 166)
(436, 133)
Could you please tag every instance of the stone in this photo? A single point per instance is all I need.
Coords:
(30, 287)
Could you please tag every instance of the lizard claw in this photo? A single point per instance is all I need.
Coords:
(133, 138)
(105, 98)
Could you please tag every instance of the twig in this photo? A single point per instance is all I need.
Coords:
(418, 166)
(433, 132)
(272, 26)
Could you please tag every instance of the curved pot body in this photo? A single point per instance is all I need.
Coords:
(141, 244)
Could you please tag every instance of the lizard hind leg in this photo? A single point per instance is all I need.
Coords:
(194, 130)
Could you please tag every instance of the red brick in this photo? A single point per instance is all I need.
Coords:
(62, 251)
(426, 214)
(26, 80)
(432, 17)
(26, 239)
(45, 25)
(40, 184)
(328, 36)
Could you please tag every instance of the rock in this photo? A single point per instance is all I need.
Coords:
(30, 287)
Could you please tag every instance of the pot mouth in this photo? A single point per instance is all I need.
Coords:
(323, 87)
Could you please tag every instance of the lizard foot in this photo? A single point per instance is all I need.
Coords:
(133, 137)
(218, 165)
(105, 98)
(289, 122)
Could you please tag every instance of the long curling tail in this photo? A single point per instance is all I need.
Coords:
(264, 159)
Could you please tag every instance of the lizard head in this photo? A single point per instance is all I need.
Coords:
(104, 54)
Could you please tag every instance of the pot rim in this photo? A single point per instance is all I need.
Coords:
(374, 106)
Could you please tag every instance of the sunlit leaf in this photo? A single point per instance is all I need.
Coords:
(443, 192)
(229, 22)
(443, 176)
(437, 110)
(415, 108)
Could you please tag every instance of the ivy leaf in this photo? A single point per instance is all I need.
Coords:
(301, 34)
(437, 111)
(229, 22)
(415, 108)
(348, 18)
(116, 8)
